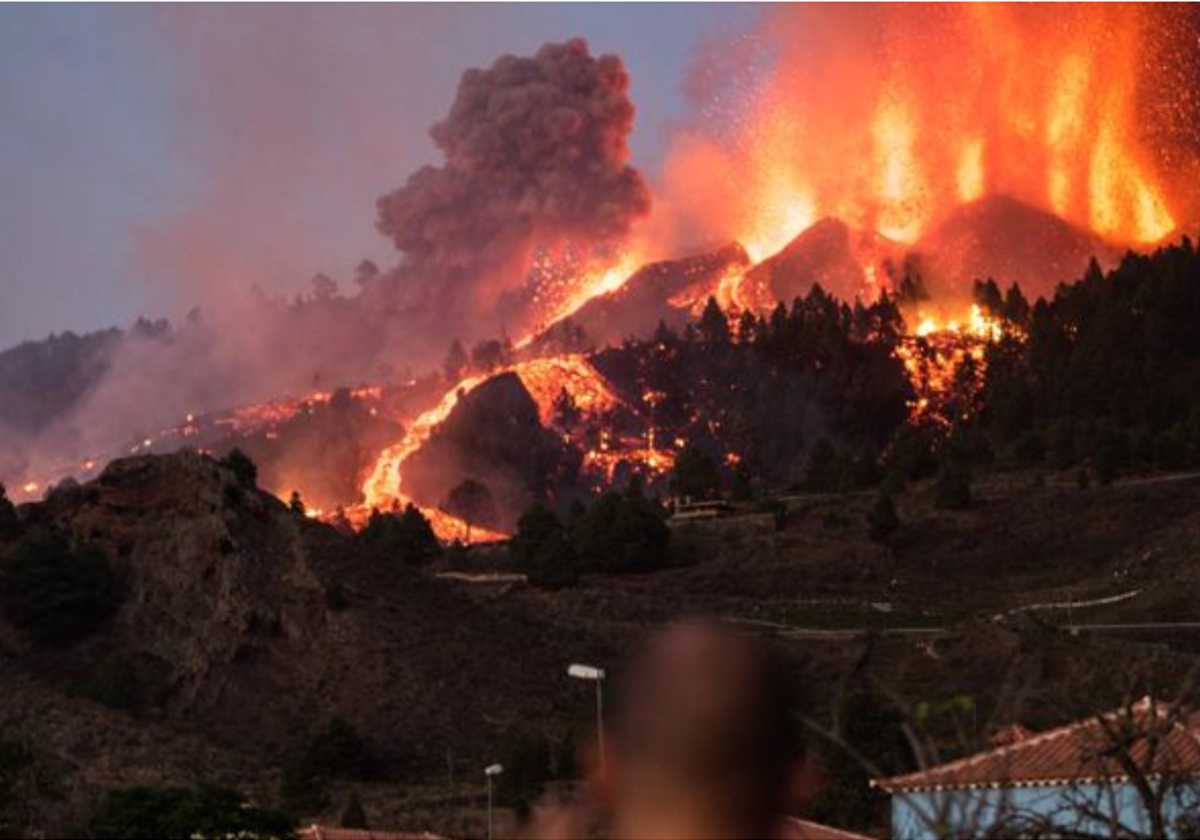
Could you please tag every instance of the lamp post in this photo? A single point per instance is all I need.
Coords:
(596, 675)
(491, 771)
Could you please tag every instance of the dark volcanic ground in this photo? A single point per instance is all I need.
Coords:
(228, 632)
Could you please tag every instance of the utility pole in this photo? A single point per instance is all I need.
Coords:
(596, 675)
(490, 772)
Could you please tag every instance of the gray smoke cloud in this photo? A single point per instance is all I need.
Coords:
(536, 152)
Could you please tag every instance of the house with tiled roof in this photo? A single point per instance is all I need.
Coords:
(794, 828)
(320, 832)
(1132, 772)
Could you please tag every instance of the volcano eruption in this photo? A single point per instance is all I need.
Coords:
(868, 153)
(1002, 238)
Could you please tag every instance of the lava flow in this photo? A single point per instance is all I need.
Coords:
(873, 134)
(946, 357)
(544, 379)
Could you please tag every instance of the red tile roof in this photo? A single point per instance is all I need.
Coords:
(321, 832)
(795, 828)
(1077, 752)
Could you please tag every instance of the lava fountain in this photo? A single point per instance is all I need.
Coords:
(889, 117)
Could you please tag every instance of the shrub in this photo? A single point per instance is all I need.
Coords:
(910, 456)
(336, 752)
(177, 812)
(341, 752)
(695, 475)
(10, 526)
(16, 758)
(54, 592)
(642, 538)
(354, 815)
(243, 469)
(115, 684)
(953, 492)
(406, 535)
(622, 533)
(473, 503)
(526, 760)
(541, 550)
(882, 521)
(336, 597)
(741, 488)
(593, 534)
(1082, 480)
(825, 467)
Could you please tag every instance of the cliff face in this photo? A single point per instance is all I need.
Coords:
(228, 628)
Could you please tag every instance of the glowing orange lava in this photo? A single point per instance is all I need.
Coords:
(574, 293)
(888, 117)
(935, 355)
(544, 379)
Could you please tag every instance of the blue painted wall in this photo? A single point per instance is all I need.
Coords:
(1075, 809)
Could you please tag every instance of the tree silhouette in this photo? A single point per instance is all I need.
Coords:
(472, 502)
(882, 521)
(9, 524)
(238, 463)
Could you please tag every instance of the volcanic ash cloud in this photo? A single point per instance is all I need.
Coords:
(536, 153)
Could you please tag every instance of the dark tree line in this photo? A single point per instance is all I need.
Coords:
(621, 532)
(1109, 374)
(56, 591)
(769, 387)
(405, 535)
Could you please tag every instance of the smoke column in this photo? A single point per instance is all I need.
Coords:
(536, 153)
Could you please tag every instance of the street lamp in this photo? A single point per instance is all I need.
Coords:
(490, 771)
(596, 675)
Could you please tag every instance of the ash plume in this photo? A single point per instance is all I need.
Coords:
(536, 152)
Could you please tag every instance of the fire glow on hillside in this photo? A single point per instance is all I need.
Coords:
(888, 117)
(937, 352)
(885, 121)
(545, 379)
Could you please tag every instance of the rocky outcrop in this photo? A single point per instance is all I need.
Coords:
(228, 628)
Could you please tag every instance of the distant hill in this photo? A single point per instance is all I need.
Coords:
(665, 291)
(41, 381)
(842, 259)
(228, 628)
(1009, 241)
(238, 653)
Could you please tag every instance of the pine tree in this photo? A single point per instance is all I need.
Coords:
(353, 815)
(455, 363)
(882, 521)
(472, 502)
(238, 463)
(713, 326)
(9, 524)
(565, 413)
(695, 475)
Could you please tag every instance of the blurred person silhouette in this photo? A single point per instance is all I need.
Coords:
(701, 744)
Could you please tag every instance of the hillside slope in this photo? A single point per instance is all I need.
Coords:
(227, 627)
